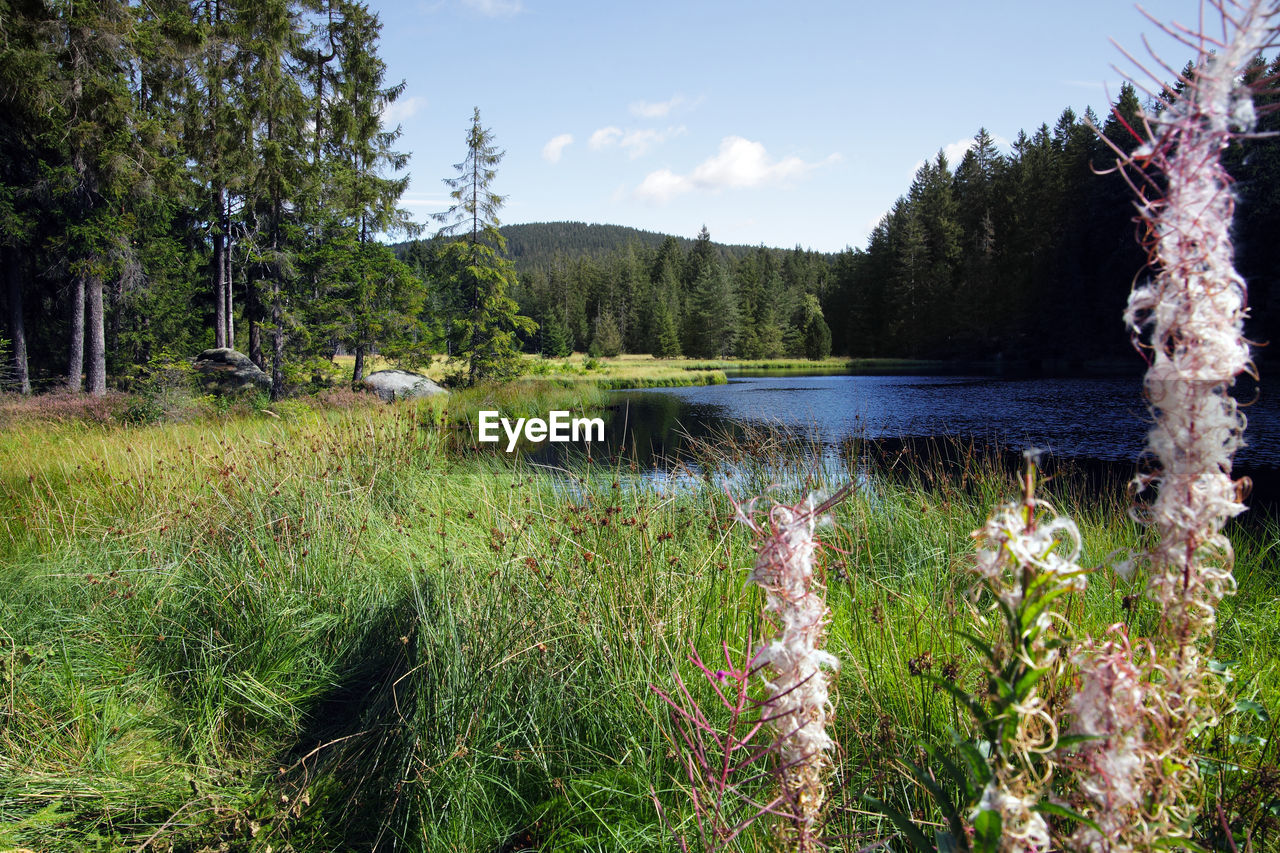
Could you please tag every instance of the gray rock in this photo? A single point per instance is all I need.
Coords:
(226, 371)
(401, 385)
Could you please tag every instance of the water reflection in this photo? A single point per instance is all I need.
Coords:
(1094, 421)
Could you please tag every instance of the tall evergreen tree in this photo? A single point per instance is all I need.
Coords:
(216, 134)
(278, 113)
(712, 318)
(817, 335)
(364, 200)
(976, 187)
(96, 122)
(484, 332)
(22, 125)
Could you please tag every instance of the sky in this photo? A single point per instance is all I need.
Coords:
(776, 123)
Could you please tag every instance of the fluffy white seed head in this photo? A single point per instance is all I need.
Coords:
(798, 698)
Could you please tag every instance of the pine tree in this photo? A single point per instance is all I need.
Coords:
(22, 125)
(484, 332)
(666, 333)
(712, 320)
(975, 186)
(380, 302)
(555, 336)
(817, 335)
(607, 340)
(98, 126)
(214, 135)
(277, 114)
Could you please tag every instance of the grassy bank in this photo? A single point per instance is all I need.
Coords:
(326, 630)
(626, 371)
(645, 371)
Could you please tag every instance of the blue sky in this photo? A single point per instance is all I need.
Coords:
(785, 124)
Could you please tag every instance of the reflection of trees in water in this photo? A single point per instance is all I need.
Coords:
(659, 434)
(651, 430)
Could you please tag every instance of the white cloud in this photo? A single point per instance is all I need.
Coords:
(662, 185)
(555, 146)
(955, 152)
(495, 8)
(604, 137)
(634, 142)
(656, 109)
(739, 164)
(401, 109)
(639, 141)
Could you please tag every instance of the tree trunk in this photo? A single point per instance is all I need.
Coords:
(219, 278)
(357, 374)
(97, 343)
(277, 343)
(228, 312)
(17, 328)
(255, 330)
(75, 360)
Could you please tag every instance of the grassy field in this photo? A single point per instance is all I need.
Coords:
(333, 628)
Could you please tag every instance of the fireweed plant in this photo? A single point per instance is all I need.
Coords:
(723, 761)
(996, 795)
(1128, 748)
(796, 702)
(1187, 319)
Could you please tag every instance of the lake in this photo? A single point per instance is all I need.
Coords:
(1101, 421)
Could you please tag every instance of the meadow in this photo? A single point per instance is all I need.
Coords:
(640, 371)
(335, 626)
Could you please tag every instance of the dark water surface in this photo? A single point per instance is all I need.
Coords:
(1089, 420)
(1103, 419)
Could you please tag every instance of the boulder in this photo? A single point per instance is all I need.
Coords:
(401, 385)
(226, 371)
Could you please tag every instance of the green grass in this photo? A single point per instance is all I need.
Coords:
(329, 630)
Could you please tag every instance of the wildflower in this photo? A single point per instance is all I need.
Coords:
(1109, 708)
(1021, 828)
(1012, 542)
(1192, 312)
(798, 704)
(1027, 559)
(1190, 318)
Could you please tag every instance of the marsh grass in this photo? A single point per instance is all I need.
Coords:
(328, 630)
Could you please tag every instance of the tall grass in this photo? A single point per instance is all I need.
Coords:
(329, 631)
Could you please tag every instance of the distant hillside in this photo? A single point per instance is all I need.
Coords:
(534, 245)
(543, 240)
(576, 238)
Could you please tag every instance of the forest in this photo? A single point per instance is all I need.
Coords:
(176, 176)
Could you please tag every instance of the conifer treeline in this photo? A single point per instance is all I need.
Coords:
(180, 174)
(1026, 255)
(701, 303)
(177, 174)
(1031, 255)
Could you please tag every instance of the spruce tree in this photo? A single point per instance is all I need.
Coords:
(215, 136)
(555, 336)
(817, 335)
(484, 333)
(22, 158)
(712, 320)
(606, 340)
(99, 128)
(277, 114)
(381, 305)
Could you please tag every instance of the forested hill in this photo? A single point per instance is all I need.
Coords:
(534, 245)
